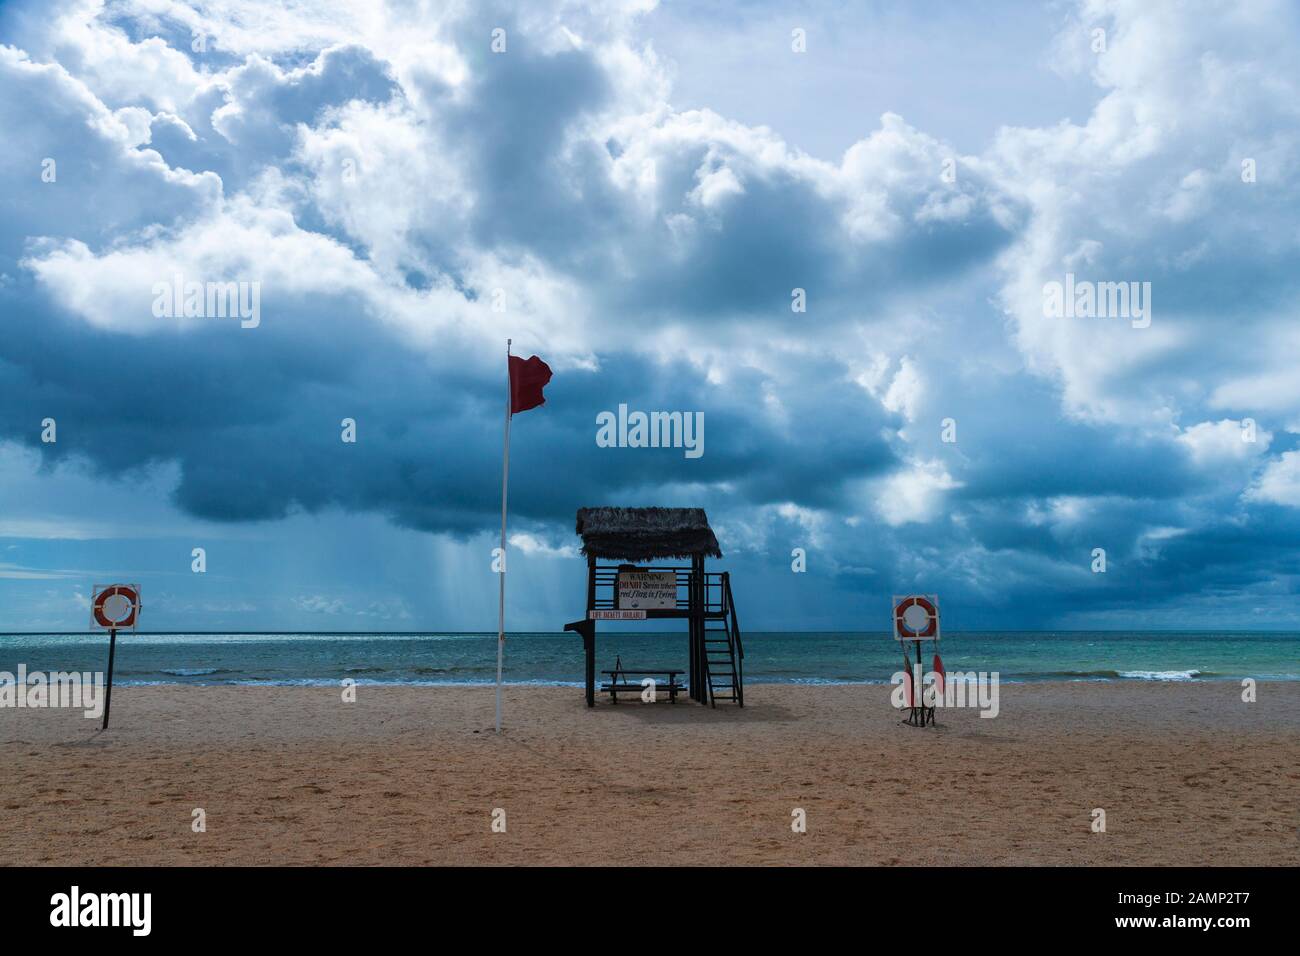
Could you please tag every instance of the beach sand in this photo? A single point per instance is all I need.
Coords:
(1187, 774)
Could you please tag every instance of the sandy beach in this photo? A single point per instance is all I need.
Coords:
(1187, 774)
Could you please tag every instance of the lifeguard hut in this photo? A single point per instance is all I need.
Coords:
(629, 577)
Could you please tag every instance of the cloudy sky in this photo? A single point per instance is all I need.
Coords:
(635, 193)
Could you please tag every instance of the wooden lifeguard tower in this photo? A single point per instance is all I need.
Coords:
(634, 541)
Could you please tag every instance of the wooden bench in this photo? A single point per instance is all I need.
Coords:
(619, 684)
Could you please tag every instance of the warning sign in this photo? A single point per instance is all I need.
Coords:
(652, 590)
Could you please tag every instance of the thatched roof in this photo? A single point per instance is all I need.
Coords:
(643, 534)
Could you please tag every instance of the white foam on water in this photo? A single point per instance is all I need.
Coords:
(1161, 675)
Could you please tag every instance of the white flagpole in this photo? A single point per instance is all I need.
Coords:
(505, 479)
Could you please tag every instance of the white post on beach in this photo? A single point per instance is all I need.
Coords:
(505, 480)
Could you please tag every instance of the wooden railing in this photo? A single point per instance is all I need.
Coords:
(714, 584)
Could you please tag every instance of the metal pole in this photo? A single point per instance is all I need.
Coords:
(920, 688)
(108, 696)
(501, 596)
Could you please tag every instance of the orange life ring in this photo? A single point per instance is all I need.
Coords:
(126, 591)
(932, 613)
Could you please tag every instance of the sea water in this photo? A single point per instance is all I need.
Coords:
(804, 658)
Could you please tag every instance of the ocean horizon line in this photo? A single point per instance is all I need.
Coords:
(629, 631)
(452, 657)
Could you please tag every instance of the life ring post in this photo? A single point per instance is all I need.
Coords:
(108, 687)
(920, 670)
(917, 628)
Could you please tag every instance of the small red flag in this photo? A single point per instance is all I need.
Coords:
(527, 378)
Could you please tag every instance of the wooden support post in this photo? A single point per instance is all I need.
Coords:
(691, 646)
(589, 635)
(696, 608)
(692, 662)
(589, 645)
(700, 634)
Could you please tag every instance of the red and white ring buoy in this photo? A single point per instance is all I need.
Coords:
(932, 618)
(116, 606)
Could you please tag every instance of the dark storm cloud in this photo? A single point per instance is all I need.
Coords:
(253, 418)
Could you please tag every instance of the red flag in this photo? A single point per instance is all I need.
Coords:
(527, 378)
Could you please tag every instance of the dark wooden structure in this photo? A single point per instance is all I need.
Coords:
(641, 539)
